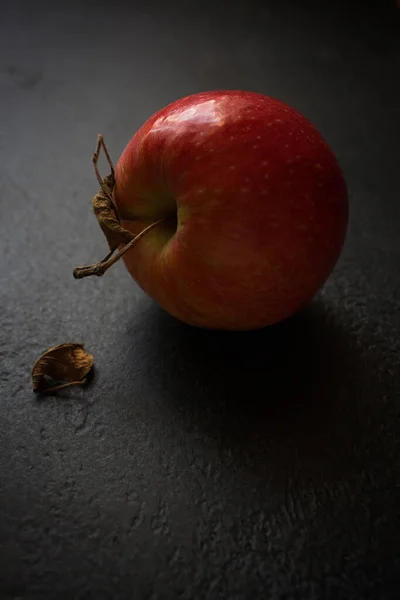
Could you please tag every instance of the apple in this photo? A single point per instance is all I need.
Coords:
(254, 208)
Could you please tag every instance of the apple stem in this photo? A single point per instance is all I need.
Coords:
(102, 266)
(109, 220)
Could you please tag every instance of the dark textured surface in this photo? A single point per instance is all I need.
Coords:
(198, 465)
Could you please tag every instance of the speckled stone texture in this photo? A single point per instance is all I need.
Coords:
(197, 465)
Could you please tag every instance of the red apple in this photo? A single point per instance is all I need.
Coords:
(255, 203)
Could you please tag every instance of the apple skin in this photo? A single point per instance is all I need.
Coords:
(255, 203)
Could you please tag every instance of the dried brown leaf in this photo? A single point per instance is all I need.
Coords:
(107, 216)
(62, 366)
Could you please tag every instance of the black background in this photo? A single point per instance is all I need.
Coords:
(198, 465)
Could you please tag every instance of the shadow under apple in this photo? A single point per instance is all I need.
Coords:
(285, 401)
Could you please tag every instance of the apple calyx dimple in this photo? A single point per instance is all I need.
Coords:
(109, 220)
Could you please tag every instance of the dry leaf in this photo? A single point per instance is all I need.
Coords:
(60, 367)
(108, 218)
(105, 212)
